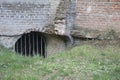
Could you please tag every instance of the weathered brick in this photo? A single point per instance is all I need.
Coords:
(98, 14)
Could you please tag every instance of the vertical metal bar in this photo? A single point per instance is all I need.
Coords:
(41, 44)
(33, 44)
(29, 45)
(37, 44)
(21, 45)
(25, 46)
(45, 50)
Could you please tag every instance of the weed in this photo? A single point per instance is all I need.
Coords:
(81, 63)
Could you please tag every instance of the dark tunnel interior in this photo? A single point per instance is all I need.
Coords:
(31, 44)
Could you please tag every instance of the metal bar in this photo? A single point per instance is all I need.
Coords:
(33, 44)
(29, 46)
(41, 44)
(25, 46)
(21, 52)
(37, 44)
(45, 50)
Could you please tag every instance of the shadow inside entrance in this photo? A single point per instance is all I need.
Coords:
(31, 44)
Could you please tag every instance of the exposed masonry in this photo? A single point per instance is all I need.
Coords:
(94, 19)
(17, 18)
(88, 14)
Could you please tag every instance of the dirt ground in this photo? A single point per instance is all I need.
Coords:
(98, 43)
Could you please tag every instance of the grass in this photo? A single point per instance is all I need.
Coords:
(80, 63)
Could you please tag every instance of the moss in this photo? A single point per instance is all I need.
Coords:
(111, 34)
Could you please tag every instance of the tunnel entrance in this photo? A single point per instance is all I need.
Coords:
(31, 44)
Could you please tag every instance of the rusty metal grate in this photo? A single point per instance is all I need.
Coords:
(31, 44)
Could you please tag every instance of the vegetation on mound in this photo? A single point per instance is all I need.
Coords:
(80, 63)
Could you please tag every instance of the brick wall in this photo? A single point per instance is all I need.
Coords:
(17, 16)
(100, 15)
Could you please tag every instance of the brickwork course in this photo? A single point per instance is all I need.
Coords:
(80, 18)
(98, 15)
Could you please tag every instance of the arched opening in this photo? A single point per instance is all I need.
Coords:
(31, 44)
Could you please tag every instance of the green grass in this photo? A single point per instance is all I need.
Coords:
(81, 63)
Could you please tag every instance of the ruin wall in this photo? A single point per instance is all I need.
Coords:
(97, 18)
